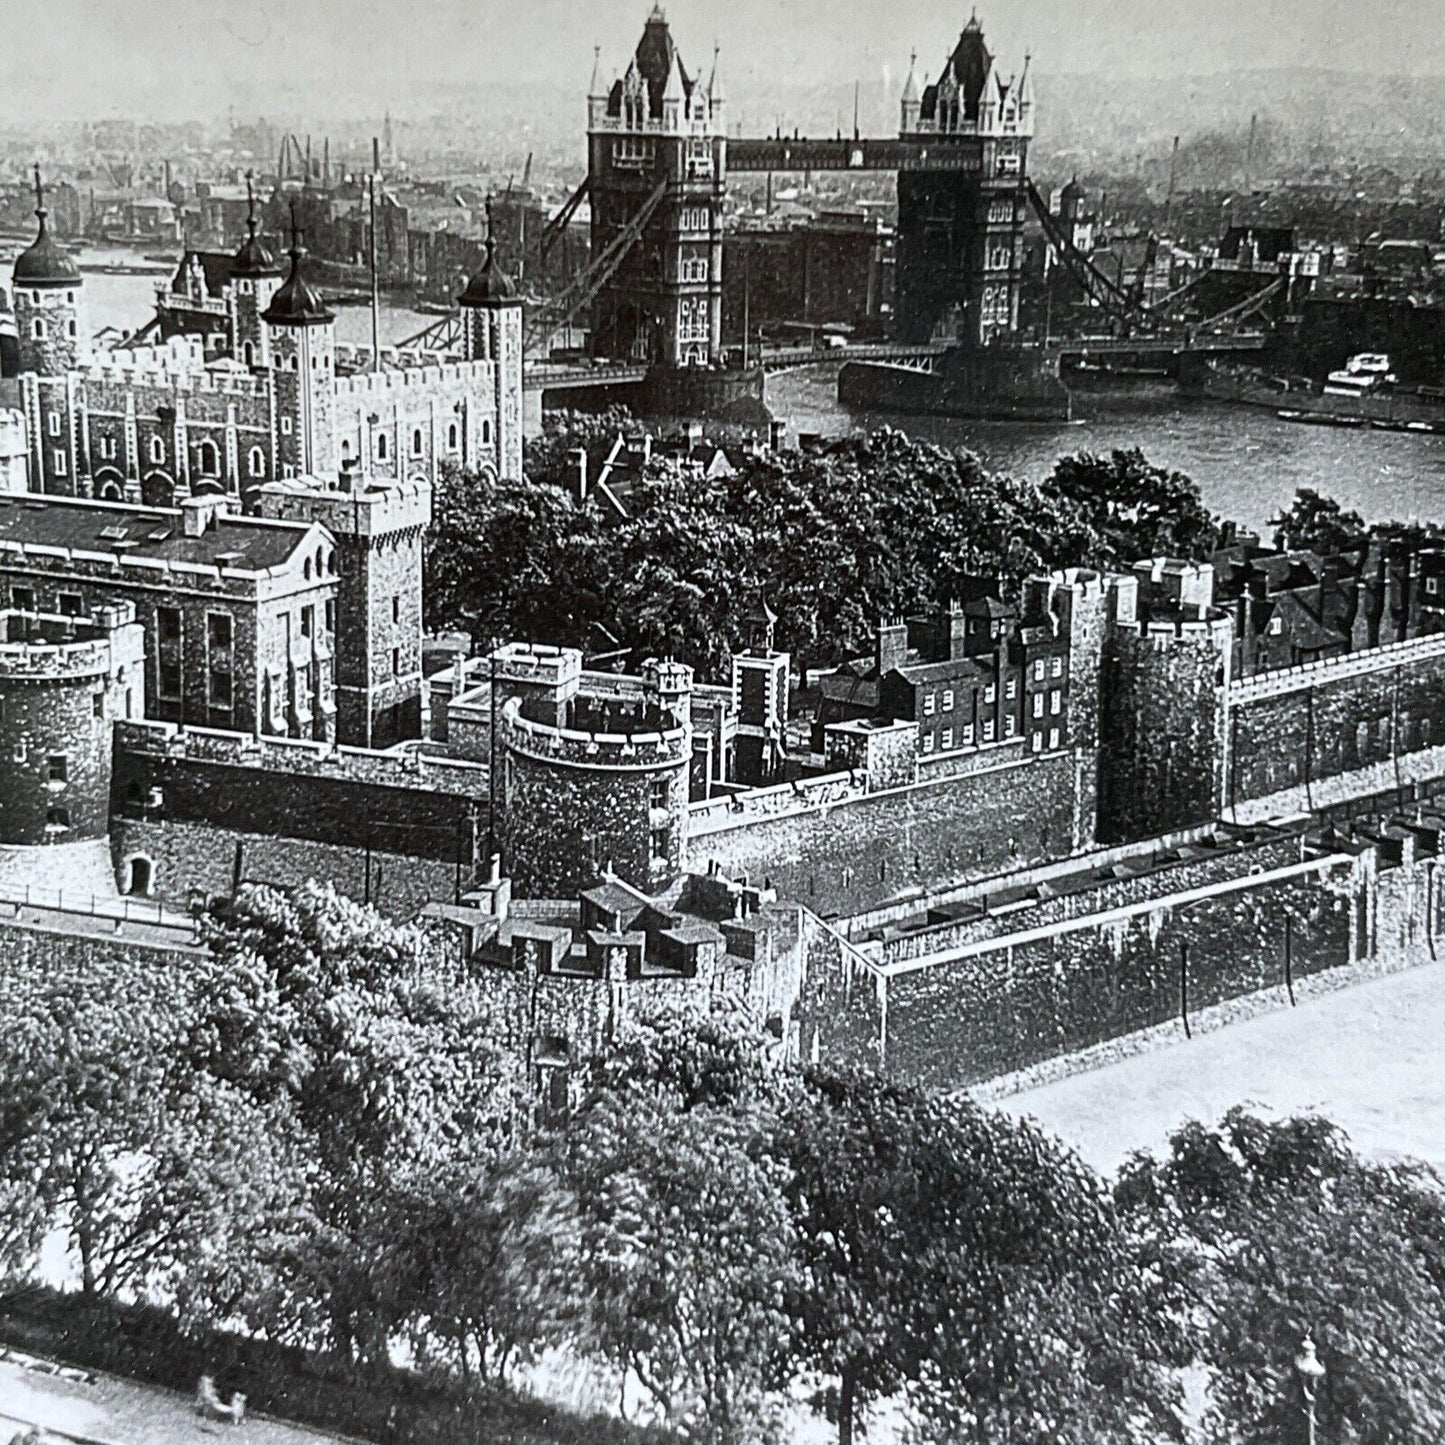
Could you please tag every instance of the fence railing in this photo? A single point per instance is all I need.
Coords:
(119, 909)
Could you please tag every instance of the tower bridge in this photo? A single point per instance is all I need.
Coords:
(659, 159)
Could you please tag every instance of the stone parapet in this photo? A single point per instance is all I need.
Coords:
(628, 752)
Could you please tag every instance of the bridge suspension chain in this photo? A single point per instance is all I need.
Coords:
(552, 231)
(1238, 312)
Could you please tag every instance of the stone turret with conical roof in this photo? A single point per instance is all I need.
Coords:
(49, 299)
(491, 321)
(303, 360)
(255, 279)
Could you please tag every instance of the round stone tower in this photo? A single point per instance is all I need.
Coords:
(595, 775)
(63, 683)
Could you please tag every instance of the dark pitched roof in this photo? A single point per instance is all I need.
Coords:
(969, 63)
(216, 268)
(654, 60)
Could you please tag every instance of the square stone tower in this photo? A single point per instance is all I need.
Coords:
(657, 168)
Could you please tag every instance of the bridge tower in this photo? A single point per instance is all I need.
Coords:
(961, 209)
(657, 163)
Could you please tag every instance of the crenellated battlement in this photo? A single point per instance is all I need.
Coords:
(182, 376)
(624, 752)
(53, 648)
(446, 376)
(407, 765)
(1217, 630)
(349, 507)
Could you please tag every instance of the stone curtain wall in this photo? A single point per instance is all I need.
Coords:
(1163, 882)
(1055, 987)
(192, 861)
(869, 849)
(420, 807)
(1363, 714)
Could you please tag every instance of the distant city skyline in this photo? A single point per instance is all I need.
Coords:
(172, 60)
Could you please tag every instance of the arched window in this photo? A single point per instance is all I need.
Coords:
(248, 353)
(381, 446)
(416, 441)
(70, 328)
(452, 437)
(208, 455)
(37, 329)
(258, 462)
(320, 561)
(158, 450)
(306, 569)
(486, 431)
(346, 449)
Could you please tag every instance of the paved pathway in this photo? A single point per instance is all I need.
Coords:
(111, 1411)
(1369, 1057)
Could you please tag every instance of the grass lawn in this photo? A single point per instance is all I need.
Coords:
(1371, 1057)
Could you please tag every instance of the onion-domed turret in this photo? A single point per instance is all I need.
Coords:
(43, 263)
(490, 286)
(253, 258)
(297, 302)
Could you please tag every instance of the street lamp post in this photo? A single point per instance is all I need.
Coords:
(1311, 1372)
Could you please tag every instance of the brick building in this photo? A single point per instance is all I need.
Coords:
(238, 613)
(972, 675)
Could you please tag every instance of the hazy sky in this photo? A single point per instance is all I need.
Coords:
(178, 58)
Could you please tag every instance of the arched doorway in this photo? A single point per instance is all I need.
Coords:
(139, 876)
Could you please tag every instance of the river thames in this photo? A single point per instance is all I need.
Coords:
(1247, 461)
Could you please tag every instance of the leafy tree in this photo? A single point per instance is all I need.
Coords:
(691, 1058)
(1317, 523)
(1134, 509)
(1284, 1230)
(966, 1257)
(340, 1022)
(84, 1080)
(480, 1257)
(687, 1258)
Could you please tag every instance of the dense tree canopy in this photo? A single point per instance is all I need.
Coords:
(1283, 1230)
(309, 1131)
(835, 537)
